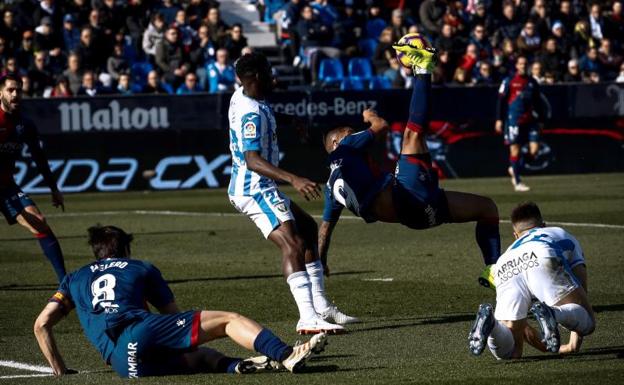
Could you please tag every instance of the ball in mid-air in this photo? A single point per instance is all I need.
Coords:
(415, 40)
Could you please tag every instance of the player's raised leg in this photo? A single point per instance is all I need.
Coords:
(32, 219)
(308, 229)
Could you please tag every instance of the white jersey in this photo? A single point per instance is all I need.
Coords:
(252, 128)
(535, 266)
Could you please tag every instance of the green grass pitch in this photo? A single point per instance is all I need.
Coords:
(415, 322)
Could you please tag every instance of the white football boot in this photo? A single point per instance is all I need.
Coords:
(317, 325)
(333, 315)
(301, 353)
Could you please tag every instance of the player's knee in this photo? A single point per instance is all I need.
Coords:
(233, 317)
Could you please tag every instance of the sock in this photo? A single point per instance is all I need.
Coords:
(227, 365)
(501, 342)
(574, 317)
(271, 346)
(315, 272)
(301, 290)
(52, 250)
(419, 104)
(488, 239)
(516, 166)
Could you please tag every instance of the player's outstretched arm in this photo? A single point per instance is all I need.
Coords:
(378, 124)
(305, 187)
(50, 316)
(324, 238)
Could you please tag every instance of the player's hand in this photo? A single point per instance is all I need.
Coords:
(369, 115)
(498, 127)
(307, 188)
(58, 200)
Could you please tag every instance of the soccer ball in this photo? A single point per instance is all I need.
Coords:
(415, 40)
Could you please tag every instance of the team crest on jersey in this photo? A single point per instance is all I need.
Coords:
(249, 130)
(281, 207)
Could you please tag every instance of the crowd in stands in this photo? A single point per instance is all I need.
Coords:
(62, 48)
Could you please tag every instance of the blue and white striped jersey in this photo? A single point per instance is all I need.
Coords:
(557, 237)
(252, 128)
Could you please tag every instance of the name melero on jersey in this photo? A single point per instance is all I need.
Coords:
(105, 266)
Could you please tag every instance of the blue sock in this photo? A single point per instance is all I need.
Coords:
(516, 166)
(419, 104)
(488, 239)
(268, 344)
(52, 250)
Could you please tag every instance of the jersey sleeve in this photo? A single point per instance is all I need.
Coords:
(577, 256)
(251, 128)
(501, 105)
(158, 292)
(359, 140)
(63, 296)
(332, 209)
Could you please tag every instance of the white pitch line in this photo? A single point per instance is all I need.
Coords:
(24, 376)
(208, 214)
(23, 366)
(378, 279)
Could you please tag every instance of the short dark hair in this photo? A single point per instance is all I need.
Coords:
(526, 215)
(252, 64)
(9, 76)
(109, 242)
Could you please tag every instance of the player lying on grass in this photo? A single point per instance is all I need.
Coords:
(254, 192)
(111, 296)
(546, 263)
(16, 131)
(411, 196)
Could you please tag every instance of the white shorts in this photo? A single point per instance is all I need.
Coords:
(267, 209)
(545, 277)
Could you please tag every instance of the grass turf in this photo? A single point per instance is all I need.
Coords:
(415, 325)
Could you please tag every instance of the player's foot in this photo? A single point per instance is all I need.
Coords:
(257, 364)
(487, 278)
(521, 187)
(422, 60)
(301, 353)
(481, 329)
(545, 317)
(333, 315)
(317, 325)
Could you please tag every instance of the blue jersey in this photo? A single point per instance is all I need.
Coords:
(252, 128)
(352, 183)
(519, 100)
(110, 294)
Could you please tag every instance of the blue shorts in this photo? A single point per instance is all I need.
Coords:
(12, 202)
(155, 345)
(418, 200)
(521, 133)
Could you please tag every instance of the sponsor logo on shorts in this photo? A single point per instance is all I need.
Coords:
(133, 370)
(516, 266)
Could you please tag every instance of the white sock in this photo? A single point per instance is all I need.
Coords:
(315, 271)
(300, 287)
(574, 317)
(501, 342)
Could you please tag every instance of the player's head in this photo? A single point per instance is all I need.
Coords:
(10, 92)
(526, 216)
(254, 72)
(334, 136)
(522, 65)
(109, 242)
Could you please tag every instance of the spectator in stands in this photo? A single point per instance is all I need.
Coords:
(614, 26)
(190, 85)
(574, 73)
(398, 24)
(123, 85)
(171, 59)
(71, 34)
(73, 73)
(221, 75)
(4, 52)
(566, 16)
(153, 85)
(469, 59)
(443, 72)
(529, 41)
(10, 31)
(26, 89)
(197, 11)
(480, 40)
(620, 78)
(375, 23)
(45, 40)
(50, 9)
(609, 60)
(40, 77)
(447, 41)
(582, 39)
(482, 17)
(168, 10)
(484, 76)
(235, 41)
(88, 51)
(537, 72)
(347, 31)
(589, 62)
(549, 78)
(384, 51)
(596, 22)
(57, 60)
(111, 15)
(460, 77)
(153, 35)
(89, 87)
(61, 89)
(457, 17)
(203, 54)
(593, 78)
(325, 12)
(539, 17)
(80, 10)
(187, 34)
(136, 21)
(562, 39)
(509, 27)
(311, 31)
(217, 27)
(432, 16)
(393, 70)
(99, 35)
(24, 54)
(10, 66)
(551, 59)
(117, 63)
